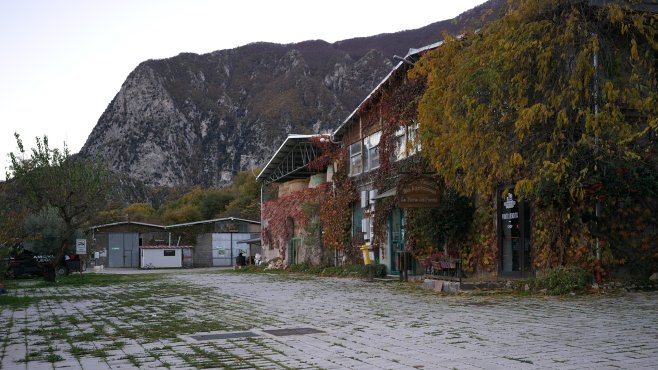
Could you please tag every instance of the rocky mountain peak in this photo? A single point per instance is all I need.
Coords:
(198, 119)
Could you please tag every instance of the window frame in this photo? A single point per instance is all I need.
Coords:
(356, 156)
(371, 145)
(407, 142)
(401, 143)
(413, 138)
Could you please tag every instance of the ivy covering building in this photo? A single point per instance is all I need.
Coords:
(525, 145)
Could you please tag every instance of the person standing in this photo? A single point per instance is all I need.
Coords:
(240, 260)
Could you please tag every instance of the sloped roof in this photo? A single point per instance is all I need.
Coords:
(291, 160)
(128, 223)
(411, 53)
(176, 225)
(212, 221)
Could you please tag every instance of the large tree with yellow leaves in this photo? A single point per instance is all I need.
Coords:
(558, 100)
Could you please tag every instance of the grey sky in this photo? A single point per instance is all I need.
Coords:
(63, 61)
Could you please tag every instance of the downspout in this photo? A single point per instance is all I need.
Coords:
(597, 210)
(262, 250)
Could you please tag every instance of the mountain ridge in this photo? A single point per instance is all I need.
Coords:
(197, 119)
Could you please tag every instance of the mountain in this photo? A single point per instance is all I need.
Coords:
(198, 119)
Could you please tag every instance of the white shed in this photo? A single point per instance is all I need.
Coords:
(161, 256)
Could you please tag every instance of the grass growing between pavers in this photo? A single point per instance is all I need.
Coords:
(93, 315)
(16, 302)
(92, 279)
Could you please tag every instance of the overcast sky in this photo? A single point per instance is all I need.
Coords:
(63, 61)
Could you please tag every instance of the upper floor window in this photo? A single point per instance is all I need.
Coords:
(414, 139)
(371, 144)
(356, 162)
(364, 154)
(401, 143)
(407, 142)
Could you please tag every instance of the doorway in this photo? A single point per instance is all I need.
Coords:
(293, 253)
(396, 223)
(123, 250)
(514, 236)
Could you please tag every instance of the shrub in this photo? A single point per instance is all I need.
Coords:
(308, 268)
(305, 268)
(560, 280)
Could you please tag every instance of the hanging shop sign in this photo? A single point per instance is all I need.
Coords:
(419, 192)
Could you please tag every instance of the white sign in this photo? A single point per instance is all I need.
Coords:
(81, 246)
(510, 203)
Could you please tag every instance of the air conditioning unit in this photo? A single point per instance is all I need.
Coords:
(365, 228)
(372, 195)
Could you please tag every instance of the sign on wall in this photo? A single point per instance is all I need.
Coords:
(81, 246)
(419, 192)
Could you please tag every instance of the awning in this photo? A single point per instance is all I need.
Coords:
(250, 241)
(166, 247)
(386, 194)
(291, 160)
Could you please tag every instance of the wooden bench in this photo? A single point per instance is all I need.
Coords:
(446, 268)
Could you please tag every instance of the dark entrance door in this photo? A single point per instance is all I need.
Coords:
(514, 236)
(396, 238)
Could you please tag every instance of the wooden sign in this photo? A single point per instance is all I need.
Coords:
(419, 192)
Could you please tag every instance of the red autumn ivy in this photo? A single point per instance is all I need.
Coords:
(282, 214)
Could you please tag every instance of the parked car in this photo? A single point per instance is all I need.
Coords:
(22, 265)
(25, 264)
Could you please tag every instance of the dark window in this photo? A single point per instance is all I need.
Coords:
(371, 144)
(356, 161)
(169, 253)
(357, 216)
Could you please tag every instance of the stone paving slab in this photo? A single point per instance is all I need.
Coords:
(363, 326)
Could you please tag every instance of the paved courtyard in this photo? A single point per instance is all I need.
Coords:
(227, 320)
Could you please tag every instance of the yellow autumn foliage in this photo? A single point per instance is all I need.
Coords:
(558, 100)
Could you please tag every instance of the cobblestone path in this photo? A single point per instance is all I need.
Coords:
(347, 324)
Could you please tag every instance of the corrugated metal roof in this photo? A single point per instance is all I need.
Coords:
(127, 223)
(285, 157)
(211, 221)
